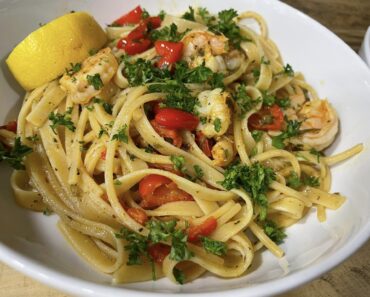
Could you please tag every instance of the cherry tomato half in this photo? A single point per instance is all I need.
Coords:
(159, 251)
(132, 17)
(10, 126)
(268, 118)
(204, 143)
(173, 118)
(150, 183)
(170, 52)
(204, 229)
(170, 134)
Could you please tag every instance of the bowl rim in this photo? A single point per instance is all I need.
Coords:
(72, 285)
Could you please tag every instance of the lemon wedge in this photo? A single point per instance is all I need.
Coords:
(45, 53)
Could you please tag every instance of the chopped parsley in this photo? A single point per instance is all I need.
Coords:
(149, 149)
(14, 157)
(65, 119)
(265, 61)
(215, 247)
(257, 135)
(179, 247)
(107, 107)
(178, 162)
(276, 234)
(225, 25)
(121, 135)
(177, 95)
(217, 124)
(145, 14)
(292, 130)
(316, 153)
(95, 81)
(143, 71)
(168, 33)
(179, 275)
(137, 246)
(93, 51)
(256, 74)
(244, 101)
(198, 171)
(160, 231)
(283, 103)
(117, 182)
(268, 99)
(205, 15)
(189, 15)
(295, 182)
(74, 69)
(288, 70)
(162, 14)
(254, 179)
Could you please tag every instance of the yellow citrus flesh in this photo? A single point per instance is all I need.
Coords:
(45, 53)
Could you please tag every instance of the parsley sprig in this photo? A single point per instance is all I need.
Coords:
(225, 25)
(275, 233)
(212, 246)
(121, 134)
(254, 179)
(168, 33)
(292, 130)
(14, 157)
(58, 119)
(244, 101)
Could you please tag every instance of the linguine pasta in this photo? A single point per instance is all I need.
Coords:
(251, 166)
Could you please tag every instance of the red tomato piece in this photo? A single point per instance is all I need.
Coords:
(132, 17)
(204, 143)
(173, 118)
(103, 154)
(159, 251)
(137, 214)
(268, 118)
(164, 194)
(150, 183)
(204, 229)
(170, 52)
(153, 22)
(10, 126)
(170, 134)
(133, 47)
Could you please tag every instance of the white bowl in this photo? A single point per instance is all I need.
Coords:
(31, 243)
(364, 51)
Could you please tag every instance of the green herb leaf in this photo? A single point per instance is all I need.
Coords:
(47, 212)
(257, 135)
(58, 119)
(15, 156)
(189, 15)
(179, 248)
(283, 103)
(254, 179)
(288, 70)
(93, 51)
(167, 33)
(205, 16)
(293, 180)
(137, 246)
(145, 14)
(178, 162)
(160, 230)
(95, 81)
(226, 25)
(215, 247)
(268, 99)
(74, 69)
(179, 275)
(244, 101)
(107, 107)
(121, 135)
(316, 153)
(217, 124)
(292, 130)
(311, 181)
(162, 14)
(276, 234)
(33, 138)
(198, 171)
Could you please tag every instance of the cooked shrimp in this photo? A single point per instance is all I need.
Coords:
(207, 48)
(223, 152)
(96, 72)
(214, 112)
(320, 118)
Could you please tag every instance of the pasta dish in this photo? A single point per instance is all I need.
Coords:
(185, 145)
